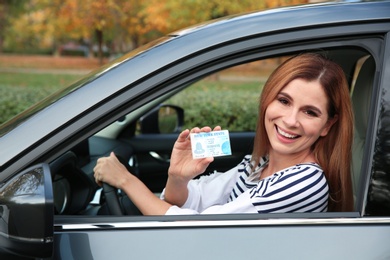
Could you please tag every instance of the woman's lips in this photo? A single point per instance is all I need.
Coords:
(285, 134)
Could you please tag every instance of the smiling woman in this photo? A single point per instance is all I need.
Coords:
(310, 81)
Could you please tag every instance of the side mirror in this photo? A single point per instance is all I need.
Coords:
(26, 213)
(163, 119)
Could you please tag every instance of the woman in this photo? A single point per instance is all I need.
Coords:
(300, 160)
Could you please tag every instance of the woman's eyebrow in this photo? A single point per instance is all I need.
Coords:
(285, 95)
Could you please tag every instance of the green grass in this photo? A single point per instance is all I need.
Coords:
(19, 91)
(35, 80)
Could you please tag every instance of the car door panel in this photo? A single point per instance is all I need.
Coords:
(198, 241)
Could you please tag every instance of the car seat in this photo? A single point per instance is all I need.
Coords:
(361, 97)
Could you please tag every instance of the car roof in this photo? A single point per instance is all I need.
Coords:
(140, 63)
(294, 17)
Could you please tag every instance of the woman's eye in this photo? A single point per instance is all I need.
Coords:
(311, 113)
(283, 101)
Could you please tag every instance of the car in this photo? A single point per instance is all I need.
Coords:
(51, 208)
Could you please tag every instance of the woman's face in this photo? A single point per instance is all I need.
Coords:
(297, 118)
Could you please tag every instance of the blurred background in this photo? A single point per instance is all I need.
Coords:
(48, 44)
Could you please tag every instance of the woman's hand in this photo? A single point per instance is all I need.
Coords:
(111, 171)
(183, 166)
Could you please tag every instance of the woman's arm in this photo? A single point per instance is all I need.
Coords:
(183, 167)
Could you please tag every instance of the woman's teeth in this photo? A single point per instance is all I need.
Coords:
(281, 132)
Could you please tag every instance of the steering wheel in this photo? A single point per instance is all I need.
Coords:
(112, 200)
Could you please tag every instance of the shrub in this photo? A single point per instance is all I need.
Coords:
(19, 91)
(15, 100)
(233, 106)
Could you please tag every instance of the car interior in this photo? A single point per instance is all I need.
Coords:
(76, 193)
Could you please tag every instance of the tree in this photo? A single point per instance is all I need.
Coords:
(172, 15)
(88, 17)
(3, 21)
(127, 23)
(145, 20)
(134, 20)
(8, 9)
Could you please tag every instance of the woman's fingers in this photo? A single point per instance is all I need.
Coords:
(183, 135)
(217, 128)
(205, 129)
(104, 166)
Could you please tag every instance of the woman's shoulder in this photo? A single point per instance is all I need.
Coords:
(305, 168)
(299, 188)
(305, 171)
(299, 176)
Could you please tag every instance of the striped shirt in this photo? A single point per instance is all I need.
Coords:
(299, 188)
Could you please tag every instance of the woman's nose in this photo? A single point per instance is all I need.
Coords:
(291, 118)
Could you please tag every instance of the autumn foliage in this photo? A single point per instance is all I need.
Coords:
(121, 24)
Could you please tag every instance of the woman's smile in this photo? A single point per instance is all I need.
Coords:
(285, 134)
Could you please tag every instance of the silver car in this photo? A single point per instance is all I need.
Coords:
(51, 208)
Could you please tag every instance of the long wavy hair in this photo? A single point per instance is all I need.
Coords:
(333, 151)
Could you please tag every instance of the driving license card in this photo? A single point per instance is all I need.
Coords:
(210, 144)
